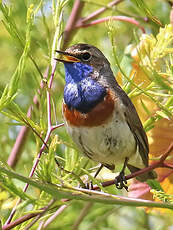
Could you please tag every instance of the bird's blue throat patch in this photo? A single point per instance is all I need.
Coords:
(81, 92)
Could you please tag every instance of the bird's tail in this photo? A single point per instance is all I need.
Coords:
(142, 177)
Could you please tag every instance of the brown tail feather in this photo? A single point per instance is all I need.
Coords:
(142, 177)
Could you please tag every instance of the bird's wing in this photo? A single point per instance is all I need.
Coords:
(136, 127)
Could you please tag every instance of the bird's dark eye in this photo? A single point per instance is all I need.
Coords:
(86, 56)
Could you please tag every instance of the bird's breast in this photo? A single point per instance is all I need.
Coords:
(99, 115)
(102, 134)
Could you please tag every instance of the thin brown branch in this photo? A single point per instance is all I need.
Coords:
(23, 133)
(130, 20)
(168, 151)
(71, 22)
(169, 166)
(19, 144)
(57, 213)
(74, 16)
(29, 216)
(100, 11)
(82, 215)
(20, 221)
(45, 209)
(158, 164)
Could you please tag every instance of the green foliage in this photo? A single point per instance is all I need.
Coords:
(161, 195)
(155, 185)
(146, 11)
(30, 33)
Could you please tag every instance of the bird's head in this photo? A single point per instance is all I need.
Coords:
(82, 60)
(87, 76)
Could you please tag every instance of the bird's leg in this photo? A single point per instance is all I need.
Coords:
(120, 180)
(90, 184)
(98, 170)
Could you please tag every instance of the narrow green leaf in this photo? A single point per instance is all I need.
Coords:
(14, 83)
(144, 8)
(154, 184)
(58, 192)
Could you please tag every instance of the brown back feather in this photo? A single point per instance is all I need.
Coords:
(135, 125)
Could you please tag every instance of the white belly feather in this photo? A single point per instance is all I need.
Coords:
(108, 144)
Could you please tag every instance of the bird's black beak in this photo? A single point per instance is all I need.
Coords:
(66, 57)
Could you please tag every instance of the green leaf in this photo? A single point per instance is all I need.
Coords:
(58, 191)
(154, 184)
(14, 83)
(144, 8)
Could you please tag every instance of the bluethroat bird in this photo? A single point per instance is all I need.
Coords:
(99, 115)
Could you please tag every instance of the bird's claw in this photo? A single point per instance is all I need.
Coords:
(89, 185)
(120, 181)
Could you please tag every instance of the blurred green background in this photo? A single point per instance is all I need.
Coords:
(97, 216)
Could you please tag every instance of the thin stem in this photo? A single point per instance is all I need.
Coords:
(52, 74)
(57, 126)
(40, 227)
(158, 164)
(19, 221)
(30, 175)
(100, 11)
(96, 223)
(62, 191)
(82, 215)
(24, 131)
(76, 11)
(169, 166)
(44, 145)
(57, 213)
(24, 218)
(167, 174)
(40, 215)
(49, 117)
(80, 24)
(73, 18)
(49, 123)
(168, 151)
(19, 143)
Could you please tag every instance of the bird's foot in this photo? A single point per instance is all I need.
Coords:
(120, 181)
(86, 183)
(89, 185)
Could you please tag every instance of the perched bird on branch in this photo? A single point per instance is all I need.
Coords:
(99, 115)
